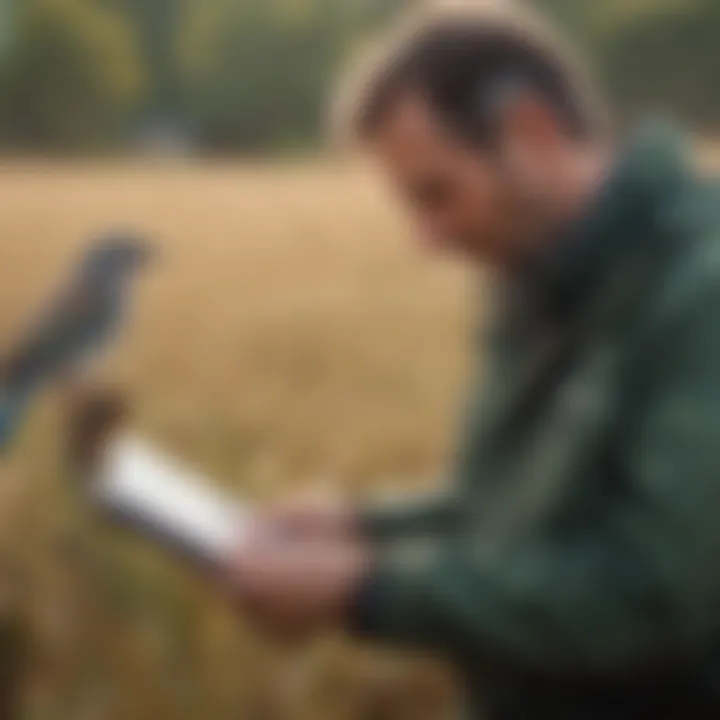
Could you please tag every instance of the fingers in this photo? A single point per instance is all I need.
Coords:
(312, 517)
(291, 587)
(265, 582)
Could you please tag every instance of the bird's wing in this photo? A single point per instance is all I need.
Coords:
(12, 412)
(70, 327)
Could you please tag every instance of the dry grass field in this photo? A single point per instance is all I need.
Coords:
(291, 332)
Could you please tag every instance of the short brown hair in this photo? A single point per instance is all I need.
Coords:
(462, 57)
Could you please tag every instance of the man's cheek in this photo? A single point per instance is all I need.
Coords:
(433, 243)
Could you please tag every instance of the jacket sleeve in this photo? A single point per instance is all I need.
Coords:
(419, 515)
(635, 587)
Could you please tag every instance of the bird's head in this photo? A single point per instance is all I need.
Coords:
(116, 256)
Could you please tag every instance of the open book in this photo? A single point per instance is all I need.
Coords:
(166, 500)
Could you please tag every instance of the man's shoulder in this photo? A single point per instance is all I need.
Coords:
(691, 281)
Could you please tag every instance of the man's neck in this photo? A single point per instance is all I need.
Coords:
(578, 182)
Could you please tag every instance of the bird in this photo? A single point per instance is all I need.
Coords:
(80, 321)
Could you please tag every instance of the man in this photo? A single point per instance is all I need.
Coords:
(573, 570)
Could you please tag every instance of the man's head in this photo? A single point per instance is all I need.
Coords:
(484, 125)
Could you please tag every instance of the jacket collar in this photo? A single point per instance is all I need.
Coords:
(649, 172)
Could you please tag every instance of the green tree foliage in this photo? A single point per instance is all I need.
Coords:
(654, 55)
(71, 76)
(156, 24)
(253, 74)
(256, 73)
(667, 59)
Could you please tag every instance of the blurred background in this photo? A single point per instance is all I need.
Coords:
(245, 76)
(291, 333)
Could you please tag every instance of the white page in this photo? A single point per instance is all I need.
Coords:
(167, 500)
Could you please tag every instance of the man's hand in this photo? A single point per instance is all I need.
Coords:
(294, 586)
(317, 516)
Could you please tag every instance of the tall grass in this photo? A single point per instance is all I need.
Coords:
(291, 332)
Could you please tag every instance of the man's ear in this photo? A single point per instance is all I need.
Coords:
(527, 119)
(528, 136)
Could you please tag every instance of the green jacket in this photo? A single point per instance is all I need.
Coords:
(574, 570)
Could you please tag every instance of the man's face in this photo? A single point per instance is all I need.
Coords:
(465, 199)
